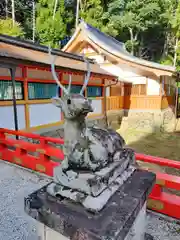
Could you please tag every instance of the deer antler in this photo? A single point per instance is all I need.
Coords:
(70, 81)
(87, 76)
(54, 73)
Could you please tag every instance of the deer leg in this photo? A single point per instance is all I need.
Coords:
(65, 165)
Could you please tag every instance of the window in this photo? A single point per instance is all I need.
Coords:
(138, 89)
(6, 90)
(42, 90)
(94, 91)
(75, 89)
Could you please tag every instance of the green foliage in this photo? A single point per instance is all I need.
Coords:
(168, 60)
(134, 17)
(51, 30)
(91, 12)
(23, 14)
(150, 29)
(7, 28)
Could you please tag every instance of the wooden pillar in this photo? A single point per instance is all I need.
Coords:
(161, 89)
(104, 95)
(122, 94)
(61, 93)
(26, 106)
(146, 85)
(13, 71)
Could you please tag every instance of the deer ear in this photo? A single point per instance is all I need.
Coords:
(57, 102)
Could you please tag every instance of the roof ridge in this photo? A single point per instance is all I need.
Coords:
(87, 25)
(38, 47)
(119, 49)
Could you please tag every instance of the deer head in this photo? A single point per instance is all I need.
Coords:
(73, 105)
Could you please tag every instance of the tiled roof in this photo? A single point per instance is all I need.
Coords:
(26, 51)
(111, 45)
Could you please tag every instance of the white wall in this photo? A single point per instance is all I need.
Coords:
(41, 114)
(97, 106)
(7, 117)
(125, 74)
(153, 87)
(139, 80)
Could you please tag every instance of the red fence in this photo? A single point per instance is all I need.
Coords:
(40, 155)
(36, 156)
(160, 199)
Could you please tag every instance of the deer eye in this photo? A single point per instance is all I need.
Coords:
(69, 101)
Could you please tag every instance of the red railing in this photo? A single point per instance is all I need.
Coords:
(40, 155)
(160, 199)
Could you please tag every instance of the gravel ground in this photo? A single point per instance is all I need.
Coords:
(16, 183)
(163, 229)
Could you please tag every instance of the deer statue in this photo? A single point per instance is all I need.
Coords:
(88, 149)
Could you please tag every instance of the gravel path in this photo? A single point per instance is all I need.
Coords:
(162, 229)
(16, 183)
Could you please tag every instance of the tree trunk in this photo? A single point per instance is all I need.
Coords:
(132, 40)
(175, 52)
(140, 47)
(77, 13)
(13, 12)
(34, 20)
(55, 7)
(6, 7)
(165, 47)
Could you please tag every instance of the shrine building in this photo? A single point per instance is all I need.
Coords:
(143, 86)
(31, 108)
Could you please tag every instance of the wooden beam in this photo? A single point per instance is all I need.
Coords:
(25, 87)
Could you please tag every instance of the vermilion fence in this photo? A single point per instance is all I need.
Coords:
(40, 154)
(160, 199)
(37, 154)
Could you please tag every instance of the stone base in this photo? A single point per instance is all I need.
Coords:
(137, 231)
(93, 183)
(46, 233)
(114, 222)
(96, 201)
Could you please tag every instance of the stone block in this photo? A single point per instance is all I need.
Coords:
(46, 233)
(137, 232)
(122, 218)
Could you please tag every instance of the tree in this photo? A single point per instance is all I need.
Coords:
(23, 13)
(171, 17)
(150, 29)
(134, 17)
(7, 28)
(92, 12)
(176, 31)
(51, 30)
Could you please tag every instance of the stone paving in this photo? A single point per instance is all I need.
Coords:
(15, 183)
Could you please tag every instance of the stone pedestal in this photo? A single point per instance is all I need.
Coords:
(123, 217)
